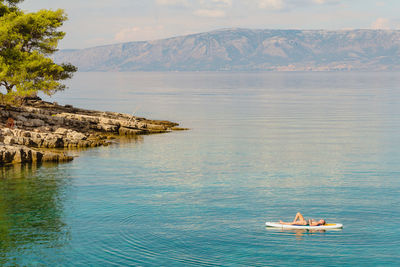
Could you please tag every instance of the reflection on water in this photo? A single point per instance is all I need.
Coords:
(299, 234)
(31, 212)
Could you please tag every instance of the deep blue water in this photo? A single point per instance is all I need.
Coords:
(262, 146)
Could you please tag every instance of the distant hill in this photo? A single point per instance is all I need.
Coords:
(248, 50)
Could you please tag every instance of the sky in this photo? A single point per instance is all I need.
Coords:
(101, 22)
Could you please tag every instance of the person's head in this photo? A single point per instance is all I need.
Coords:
(322, 221)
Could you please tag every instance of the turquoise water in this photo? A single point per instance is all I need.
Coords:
(262, 147)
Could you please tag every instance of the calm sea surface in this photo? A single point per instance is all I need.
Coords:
(262, 147)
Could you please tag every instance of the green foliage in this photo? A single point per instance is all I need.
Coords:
(11, 7)
(27, 41)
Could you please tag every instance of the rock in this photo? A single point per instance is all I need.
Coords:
(27, 134)
(4, 113)
(41, 124)
(20, 118)
(128, 131)
(37, 122)
(155, 128)
(108, 128)
(22, 154)
(61, 131)
(54, 120)
(7, 154)
(37, 156)
(56, 157)
(179, 129)
(76, 135)
(9, 140)
(33, 123)
(54, 142)
(7, 132)
(142, 125)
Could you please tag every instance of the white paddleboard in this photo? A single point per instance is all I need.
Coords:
(320, 227)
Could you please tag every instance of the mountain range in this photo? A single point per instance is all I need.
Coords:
(248, 50)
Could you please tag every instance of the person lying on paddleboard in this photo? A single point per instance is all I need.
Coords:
(299, 220)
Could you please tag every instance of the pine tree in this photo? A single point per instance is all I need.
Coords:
(27, 40)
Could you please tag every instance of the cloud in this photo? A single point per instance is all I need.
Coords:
(322, 2)
(381, 23)
(223, 2)
(198, 3)
(95, 41)
(219, 8)
(271, 4)
(138, 33)
(211, 13)
(171, 2)
(292, 4)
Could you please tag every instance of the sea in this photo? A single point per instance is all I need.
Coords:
(261, 147)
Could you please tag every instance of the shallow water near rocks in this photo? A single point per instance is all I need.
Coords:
(262, 146)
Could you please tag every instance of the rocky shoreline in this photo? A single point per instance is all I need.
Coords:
(37, 126)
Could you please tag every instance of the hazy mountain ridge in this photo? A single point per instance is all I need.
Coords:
(248, 50)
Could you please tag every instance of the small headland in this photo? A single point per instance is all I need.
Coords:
(33, 131)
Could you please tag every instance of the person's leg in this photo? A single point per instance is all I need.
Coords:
(299, 217)
(294, 223)
(296, 217)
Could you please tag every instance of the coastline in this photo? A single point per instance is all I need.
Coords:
(38, 126)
